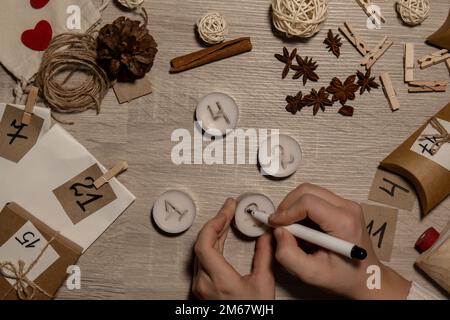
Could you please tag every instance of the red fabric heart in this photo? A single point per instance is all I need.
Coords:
(38, 4)
(38, 38)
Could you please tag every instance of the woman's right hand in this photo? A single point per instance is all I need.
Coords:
(340, 218)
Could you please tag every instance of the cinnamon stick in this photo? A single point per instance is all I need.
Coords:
(217, 52)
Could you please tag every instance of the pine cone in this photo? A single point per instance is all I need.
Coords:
(126, 50)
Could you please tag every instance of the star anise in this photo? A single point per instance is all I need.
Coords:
(365, 82)
(333, 43)
(306, 67)
(343, 92)
(295, 103)
(318, 99)
(287, 59)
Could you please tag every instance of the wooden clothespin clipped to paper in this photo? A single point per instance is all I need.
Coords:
(409, 62)
(110, 174)
(354, 39)
(372, 14)
(389, 91)
(376, 53)
(29, 107)
(428, 86)
(434, 58)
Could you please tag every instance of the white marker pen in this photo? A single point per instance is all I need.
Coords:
(321, 239)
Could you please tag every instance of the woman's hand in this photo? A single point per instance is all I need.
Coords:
(215, 278)
(343, 219)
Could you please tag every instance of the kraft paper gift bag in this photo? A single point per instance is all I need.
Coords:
(55, 180)
(40, 24)
(16, 140)
(25, 238)
(414, 160)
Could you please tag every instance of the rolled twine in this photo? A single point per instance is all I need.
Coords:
(212, 28)
(413, 12)
(299, 18)
(19, 274)
(72, 52)
(440, 139)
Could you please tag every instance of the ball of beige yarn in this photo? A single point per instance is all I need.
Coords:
(299, 18)
(413, 12)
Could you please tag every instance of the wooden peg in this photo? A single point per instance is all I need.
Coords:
(409, 62)
(376, 53)
(365, 4)
(389, 91)
(428, 86)
(29, 107)
(434, 58)
(114, 172)
(447, 62)
(354, 39)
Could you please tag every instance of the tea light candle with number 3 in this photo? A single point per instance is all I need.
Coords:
(244, 221)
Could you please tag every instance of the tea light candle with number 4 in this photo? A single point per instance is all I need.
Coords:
(217, 113)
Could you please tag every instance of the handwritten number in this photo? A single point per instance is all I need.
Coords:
(92, 197)
(26, 238)
(380, 231)
(17, 134)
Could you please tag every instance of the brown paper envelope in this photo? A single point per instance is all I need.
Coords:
(12, 218)
(441, 38)
(431, 181)
(80, 198)
(17, 139)
(381, 223)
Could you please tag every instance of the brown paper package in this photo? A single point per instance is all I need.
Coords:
(12, 218)
(435, 262)
(431, 181)
(441, 38)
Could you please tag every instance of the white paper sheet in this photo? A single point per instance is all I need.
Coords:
(422, 147)
(55, 159)
(26, 245)
(44, 113)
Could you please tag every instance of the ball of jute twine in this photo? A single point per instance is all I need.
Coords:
(70, 53)
(212, 28)
(131, 4)
(413, 12)
(299, 18)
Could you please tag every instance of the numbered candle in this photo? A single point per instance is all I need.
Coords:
(279, 156)
(174, 212)
(217, 113)
(244, 221)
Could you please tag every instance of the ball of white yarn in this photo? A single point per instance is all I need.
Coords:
(299, 18)
(413, 12)
(212, 28)
(131, 4)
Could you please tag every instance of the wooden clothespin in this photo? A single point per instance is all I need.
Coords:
(354, 39)
(111, 173)
(365, 5)
(447, 62)
(29, 107)
(376, 53)
(434, 58)
(428, 86)
(389, 91)
(409, 62)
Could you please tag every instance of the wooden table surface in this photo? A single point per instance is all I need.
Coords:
(132, 260)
